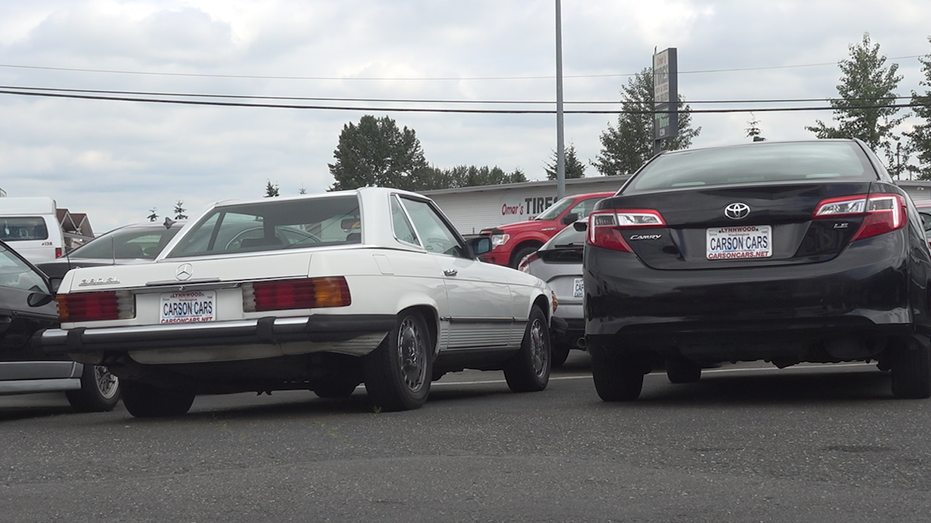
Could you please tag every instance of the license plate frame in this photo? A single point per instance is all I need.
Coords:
(188, 307)
(740, 242)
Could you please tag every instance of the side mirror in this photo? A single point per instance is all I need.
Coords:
(38, 299)
(480, 245)
(580, 226)
(569, 218)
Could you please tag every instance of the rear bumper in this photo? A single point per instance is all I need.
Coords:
(870, 290)
(355, 334)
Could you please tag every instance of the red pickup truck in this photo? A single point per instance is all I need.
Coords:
(513, 241)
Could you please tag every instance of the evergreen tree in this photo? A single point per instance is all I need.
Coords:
(153, 215)
(271, 189)
(754, 131)
(865, 108)
(630, 145)
(179, 211)
(574, 168)
(919, 139)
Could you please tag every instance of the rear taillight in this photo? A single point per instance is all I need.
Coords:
(881, 213)
(305, 293)
(523, 266)
(58, 252)
(604, 227)
(96, 306)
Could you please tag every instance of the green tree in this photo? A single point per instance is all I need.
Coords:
(153, 215)
(865, 108)
(376, 153)
(271, 189)
(574, 168)
(625, 148)
(179, 211)
(754, 131)
(919, 139)
(472, 176)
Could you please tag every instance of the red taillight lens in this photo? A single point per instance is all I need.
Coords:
(881, 213)
(95, 306)
(58, 252)
(305, 293)
(604, 227)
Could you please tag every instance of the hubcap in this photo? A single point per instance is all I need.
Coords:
(412, 355)
(538, 354)
(107, 383)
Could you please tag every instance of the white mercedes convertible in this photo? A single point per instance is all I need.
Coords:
(318, 292)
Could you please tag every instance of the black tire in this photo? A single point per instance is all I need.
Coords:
(681, 370)
(398, 373)
(146, 401)
(911, 369)
(529, 369)
(336, 388)
(616, 378)
(99, 392)
(520, 254)
(560, 354)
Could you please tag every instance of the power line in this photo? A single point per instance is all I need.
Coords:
(102, 97)
(408, 100)
(451, 78)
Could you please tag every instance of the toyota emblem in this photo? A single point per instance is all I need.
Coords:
(184, 271)
(737, 211)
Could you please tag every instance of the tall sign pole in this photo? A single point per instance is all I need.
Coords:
(560, 131)
(665, 97)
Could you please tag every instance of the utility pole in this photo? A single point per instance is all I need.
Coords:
(560, 131)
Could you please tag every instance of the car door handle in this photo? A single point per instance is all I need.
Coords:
(450, 272)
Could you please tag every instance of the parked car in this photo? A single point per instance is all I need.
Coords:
(559, 263)
(368, 286)
(26, 306)
(785, 252)
(137, 243)
(30, 224)
(924, 212)
(513, 241)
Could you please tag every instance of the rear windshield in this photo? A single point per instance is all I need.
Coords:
(23, 228)
(754, 163)
(127, 243)
(273, 225)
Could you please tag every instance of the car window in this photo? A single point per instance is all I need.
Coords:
(553, 211)
(127, 243)
(925, 221)
(14, 273)
(23, 228)
(403, 230)
(584, 208)
(754, 163)
(273, 225)
(434, 233)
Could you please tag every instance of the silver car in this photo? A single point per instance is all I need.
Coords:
(559, 263)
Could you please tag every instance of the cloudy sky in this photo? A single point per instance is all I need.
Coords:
(115, 160)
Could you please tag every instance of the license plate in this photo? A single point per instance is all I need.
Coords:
(746, 241)
(578, 288)
(188, 307)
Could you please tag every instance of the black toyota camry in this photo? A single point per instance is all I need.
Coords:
(785, 252)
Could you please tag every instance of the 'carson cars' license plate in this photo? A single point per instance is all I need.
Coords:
(745, 241)
(188, 307)
(578, 288)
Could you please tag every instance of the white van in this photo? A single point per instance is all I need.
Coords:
(30, 225)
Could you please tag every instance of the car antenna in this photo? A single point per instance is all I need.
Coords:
(168, 222)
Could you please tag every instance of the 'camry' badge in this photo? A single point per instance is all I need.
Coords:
(184, 271)
(737, 211)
